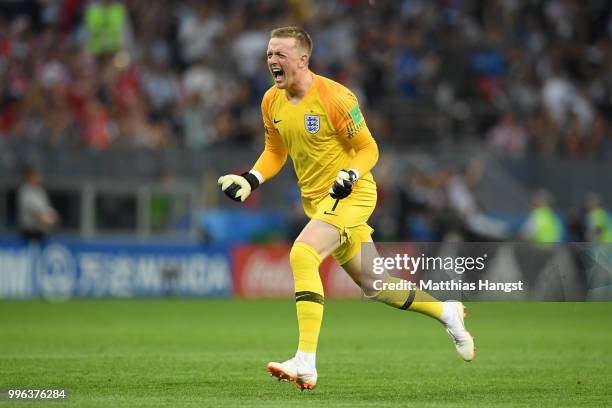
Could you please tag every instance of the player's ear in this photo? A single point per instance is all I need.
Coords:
(304, 60)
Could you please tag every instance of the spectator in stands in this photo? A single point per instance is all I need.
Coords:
(476, 225)
(598, 223)
(543, 225)
(36, 215)
(200, 27)
(108, 27)
(422, 211)
(508, 136)
(409, 65)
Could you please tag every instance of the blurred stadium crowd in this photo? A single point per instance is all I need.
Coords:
(443, 204)
(524, 77)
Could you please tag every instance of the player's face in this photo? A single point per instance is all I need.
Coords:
(284, 61)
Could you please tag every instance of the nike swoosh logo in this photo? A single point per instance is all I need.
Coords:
(276, 121)
(328, 213)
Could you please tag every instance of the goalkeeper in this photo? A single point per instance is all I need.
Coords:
(318, 122)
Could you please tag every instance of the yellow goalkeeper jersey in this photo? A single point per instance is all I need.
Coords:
(321, 133)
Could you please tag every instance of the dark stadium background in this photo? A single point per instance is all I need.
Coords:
(484, 112)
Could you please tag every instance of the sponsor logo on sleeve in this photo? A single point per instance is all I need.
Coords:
(357, 123)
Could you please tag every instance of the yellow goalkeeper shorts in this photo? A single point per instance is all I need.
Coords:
(350, 216)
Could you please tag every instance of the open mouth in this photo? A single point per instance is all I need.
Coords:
(278, 74)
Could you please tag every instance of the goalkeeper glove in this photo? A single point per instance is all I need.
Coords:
(238, 188)
(343, 186)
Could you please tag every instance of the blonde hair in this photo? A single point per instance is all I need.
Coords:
(302, 39)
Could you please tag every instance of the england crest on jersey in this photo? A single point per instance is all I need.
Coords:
(312, 123)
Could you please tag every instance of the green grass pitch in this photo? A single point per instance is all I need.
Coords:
(209, 353)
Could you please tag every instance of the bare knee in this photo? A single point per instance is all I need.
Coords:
(324, 238)
(363, 276)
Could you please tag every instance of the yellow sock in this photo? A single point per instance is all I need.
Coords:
(415, 300)
(309, 299)
(426, 304)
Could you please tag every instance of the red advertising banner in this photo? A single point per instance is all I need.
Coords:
(264, 271)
